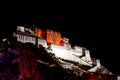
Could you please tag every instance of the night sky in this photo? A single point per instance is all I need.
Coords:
(95, 29)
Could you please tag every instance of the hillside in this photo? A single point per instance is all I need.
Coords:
(20, 61)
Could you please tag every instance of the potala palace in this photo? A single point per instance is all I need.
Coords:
(53, 42)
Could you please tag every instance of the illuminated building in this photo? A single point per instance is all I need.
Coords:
(54, 43)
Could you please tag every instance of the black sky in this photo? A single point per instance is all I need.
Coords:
(93, 28)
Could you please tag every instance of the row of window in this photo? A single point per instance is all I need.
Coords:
(25, 38)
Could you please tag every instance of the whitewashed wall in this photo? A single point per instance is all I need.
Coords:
(42, 42)
(60, 51)
(87, 56)
(20, 28)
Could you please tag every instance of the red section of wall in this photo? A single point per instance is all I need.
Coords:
(57, 38)
(53, 37)
(43, 33)
(39, 33)
(50, 36)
